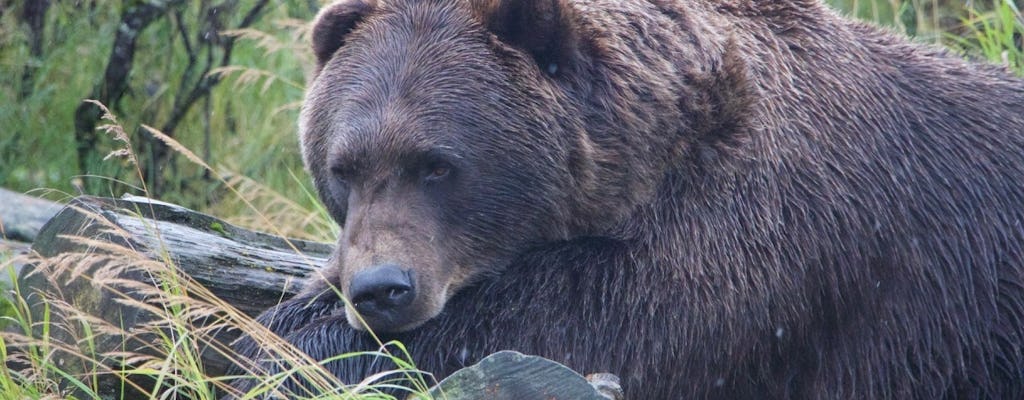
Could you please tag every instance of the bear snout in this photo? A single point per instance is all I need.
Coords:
(382, 295)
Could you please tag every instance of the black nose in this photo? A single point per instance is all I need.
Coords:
(381, 290)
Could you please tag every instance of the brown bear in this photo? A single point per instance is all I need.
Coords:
(709, 198)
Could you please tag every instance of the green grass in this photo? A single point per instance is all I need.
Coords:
(992, 29)
(6, 301)
(996, 34)
(58, 340)
(252, 125)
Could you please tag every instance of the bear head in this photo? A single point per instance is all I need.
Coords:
(448, 137)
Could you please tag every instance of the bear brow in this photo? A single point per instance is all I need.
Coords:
(419, 156)
(442, 151)
(346, 165)
(356, 160)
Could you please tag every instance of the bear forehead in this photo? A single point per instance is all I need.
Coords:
(413, 77)
(423, 60)
(417, 39)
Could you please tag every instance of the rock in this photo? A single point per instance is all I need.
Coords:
(508, 375)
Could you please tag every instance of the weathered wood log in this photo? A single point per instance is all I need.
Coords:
(251, 270)
(22, 216)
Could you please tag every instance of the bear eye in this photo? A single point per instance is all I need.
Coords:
(341, 173)
(437, 172)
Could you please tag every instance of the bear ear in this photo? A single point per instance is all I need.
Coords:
(543, 28)
(333, 23)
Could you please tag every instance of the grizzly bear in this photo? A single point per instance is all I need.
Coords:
(709, 198)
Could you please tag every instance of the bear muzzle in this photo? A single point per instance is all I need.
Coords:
(383, 296)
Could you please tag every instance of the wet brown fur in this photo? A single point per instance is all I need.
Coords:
(711, 199)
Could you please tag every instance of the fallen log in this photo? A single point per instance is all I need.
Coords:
(250, 270)
(22, 216)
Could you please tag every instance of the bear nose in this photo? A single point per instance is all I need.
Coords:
(382, 289)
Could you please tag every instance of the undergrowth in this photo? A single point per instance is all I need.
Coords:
(996, 34)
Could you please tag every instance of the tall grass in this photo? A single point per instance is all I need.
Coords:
(980, 29)
(250, 138)
(996, 34)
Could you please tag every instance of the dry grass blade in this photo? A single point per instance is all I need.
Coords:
(292, 219)
(116, 131)
(174, 145)
(247, 75)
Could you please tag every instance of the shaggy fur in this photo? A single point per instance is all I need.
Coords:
(710, 199)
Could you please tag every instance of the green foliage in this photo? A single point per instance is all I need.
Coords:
(7, 276)
(997, 34)
(36, 139)
(250, 117)
(924, 19)
(993, 30)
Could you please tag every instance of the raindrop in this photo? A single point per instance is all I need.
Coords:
(552, 68)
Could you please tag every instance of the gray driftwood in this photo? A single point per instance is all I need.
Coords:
(250, 270)
(21, 217)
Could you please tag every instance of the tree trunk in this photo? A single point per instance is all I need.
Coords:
(34, 15)
(115, 78)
